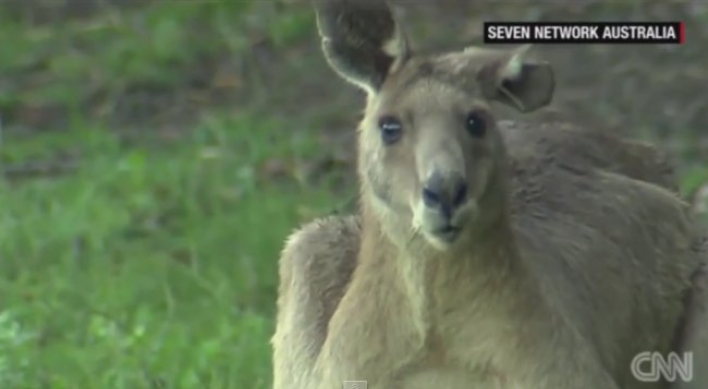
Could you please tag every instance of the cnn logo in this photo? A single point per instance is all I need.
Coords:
(651, 366)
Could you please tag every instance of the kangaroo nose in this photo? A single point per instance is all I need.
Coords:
(444, 193)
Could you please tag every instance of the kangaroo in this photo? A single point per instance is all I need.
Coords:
(692, 333)
(485, 253)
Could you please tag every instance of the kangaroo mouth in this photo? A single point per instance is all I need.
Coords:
(447, 233)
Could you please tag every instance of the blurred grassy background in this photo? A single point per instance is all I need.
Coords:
(155, 154)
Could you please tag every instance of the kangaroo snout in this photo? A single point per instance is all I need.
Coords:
(445, 206)
(445, 193)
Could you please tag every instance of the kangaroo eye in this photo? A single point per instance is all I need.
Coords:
(475, 124)
(391, 129)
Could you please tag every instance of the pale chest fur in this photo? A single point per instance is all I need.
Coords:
(470, 344)
(468, 357)
(424, 343)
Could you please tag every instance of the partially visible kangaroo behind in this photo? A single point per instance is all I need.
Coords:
(485, 254)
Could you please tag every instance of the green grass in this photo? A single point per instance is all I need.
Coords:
(159, 47)
(150, 265)
(154, 264)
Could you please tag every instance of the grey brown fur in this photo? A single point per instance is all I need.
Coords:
(692, 334)
(573, 251)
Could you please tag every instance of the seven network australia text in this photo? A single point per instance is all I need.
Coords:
(584, 32)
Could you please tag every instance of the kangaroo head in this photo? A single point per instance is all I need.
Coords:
(430, 154)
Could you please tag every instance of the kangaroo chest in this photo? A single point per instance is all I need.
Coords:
(458, 349)
(466, 358)
(455, 362)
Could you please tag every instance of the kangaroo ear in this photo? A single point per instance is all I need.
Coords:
(361, 40)
(517, 81)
